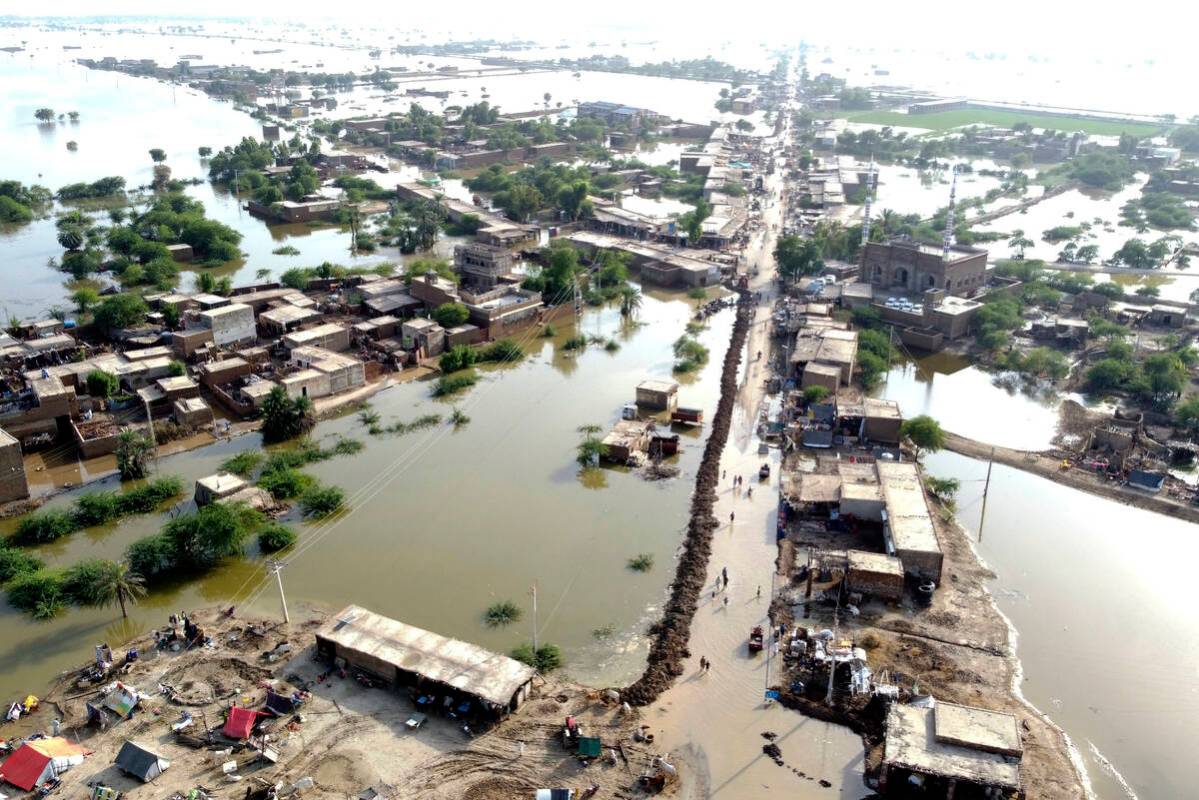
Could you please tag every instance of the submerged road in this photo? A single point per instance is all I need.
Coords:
(712, 721)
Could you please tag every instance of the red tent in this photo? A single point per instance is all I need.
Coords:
(240, 723)
(40, 760)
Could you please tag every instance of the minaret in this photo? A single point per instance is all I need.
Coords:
(948, 240)
(869, 199)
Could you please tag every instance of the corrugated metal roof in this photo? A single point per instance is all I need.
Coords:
(455, 663)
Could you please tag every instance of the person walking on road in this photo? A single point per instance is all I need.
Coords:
(724, 573)
(732, 517)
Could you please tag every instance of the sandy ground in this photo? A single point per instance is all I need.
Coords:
(347, 738)
(712, 721)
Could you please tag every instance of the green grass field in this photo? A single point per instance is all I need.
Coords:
(944, 120)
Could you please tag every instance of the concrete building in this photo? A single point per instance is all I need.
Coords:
(482, 265)
(285, 318)
(881, 421)
(953, 750)
(192, 412)
(231, 325)
(423, 335)
(874, 574)
(908, 530)
(321, 373)
(828, 346)
(13, 484)
(658, 395)
(330, 336)
(915, 267)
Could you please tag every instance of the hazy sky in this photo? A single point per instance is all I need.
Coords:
(1162, 30)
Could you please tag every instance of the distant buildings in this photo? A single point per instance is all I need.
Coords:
(618, 115)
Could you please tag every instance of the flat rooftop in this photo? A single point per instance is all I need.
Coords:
(907, 510)
(978, 728)
(911, 744)
(224, 311)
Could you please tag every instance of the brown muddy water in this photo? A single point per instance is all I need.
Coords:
(1099, 594)
(442, 523)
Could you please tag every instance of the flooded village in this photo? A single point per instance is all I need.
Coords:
(391, 418)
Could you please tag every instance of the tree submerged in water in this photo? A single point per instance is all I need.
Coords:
(546, 658)
(591, 449)
(501, 613)
(284, 417)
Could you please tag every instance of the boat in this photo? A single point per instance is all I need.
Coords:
(755, 639)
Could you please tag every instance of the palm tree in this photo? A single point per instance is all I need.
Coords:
(262, 274)
(71, 238)
(630, 301)
(119, 584)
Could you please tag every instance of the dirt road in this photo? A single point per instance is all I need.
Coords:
(712, 721)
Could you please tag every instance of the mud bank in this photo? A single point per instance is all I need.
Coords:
(670, 634)
(1048, 465)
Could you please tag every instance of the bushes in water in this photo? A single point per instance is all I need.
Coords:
(452, 384)
(321, 501)
(642, 563)
(690, 353)
(284, 484)
(95, 508)
(546, 658)
(463, 356)
(275, 536)
(243, 463)
(37, 591)
(194, 541)
(504, 612)
(81, 581)
(14, 562)
(44, 526)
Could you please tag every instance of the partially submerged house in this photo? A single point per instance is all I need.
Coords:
(658, 395)
(406, 656)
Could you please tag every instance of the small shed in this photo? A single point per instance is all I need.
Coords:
(826, 375)
(882, 421)
(217, 487)
(140, 761)
(875, 574)
(658, 395)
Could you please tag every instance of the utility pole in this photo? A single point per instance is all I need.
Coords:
(277, 568)
(534, 620)
(772, 632)
(150, 425)
(982, 517)
(832, 661)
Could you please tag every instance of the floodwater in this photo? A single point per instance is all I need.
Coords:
(1107, 643)
(442, 523)
(968, 401)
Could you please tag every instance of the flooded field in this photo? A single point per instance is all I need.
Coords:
(442, 523)
(1108, 649)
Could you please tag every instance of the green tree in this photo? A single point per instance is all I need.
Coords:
(158, 155)
(630, 301)
(796, 256)
(120, 311)
(285, 418)
(44, 114)
(85, 298)
(101, 384)
(520, 202)
(451, 315)
(204, 152)
(1186, 413)
(134, 451)
(924, 433)
(117, 583)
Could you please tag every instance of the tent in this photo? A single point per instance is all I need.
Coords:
(40, 760)
(279, 704)
(240, 723)
(140, 761)
(122, 700)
